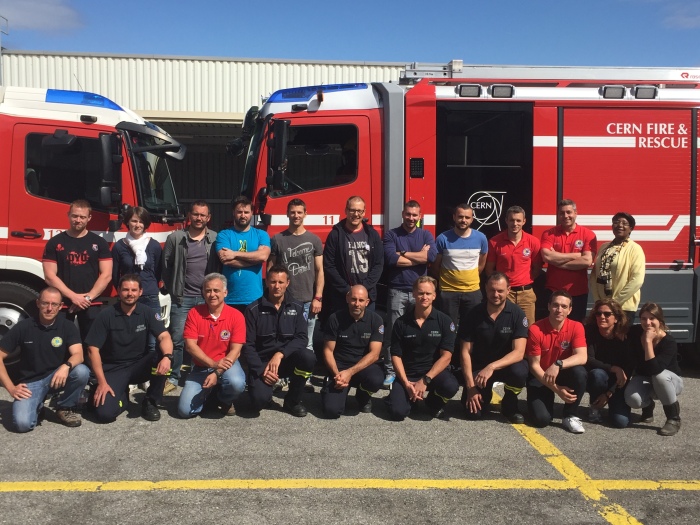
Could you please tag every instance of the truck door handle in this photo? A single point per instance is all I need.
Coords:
(28, 234)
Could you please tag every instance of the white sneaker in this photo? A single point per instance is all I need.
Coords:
(573, 425)
(594, 415)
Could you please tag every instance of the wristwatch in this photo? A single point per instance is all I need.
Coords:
(559, 363)
(69, 365)
(402, 253)
(427, 380)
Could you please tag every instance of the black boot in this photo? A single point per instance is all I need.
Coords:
(673, 420)
(648, 413)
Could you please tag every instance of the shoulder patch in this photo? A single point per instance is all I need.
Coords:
(452, 327)
(56, 342)
(159, 317)
(381, 329)
(525, 323)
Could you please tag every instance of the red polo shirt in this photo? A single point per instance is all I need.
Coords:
(551, 344)
(214, 335)
(580, 240)
(514, 260)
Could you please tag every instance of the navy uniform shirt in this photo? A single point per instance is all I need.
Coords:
(352, 338)
(42, 348)
(123, 338)
(420, 346)
(491, 340)
(269, 330)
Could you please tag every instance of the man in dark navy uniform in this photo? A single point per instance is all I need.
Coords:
(422, 343)
(119, 354)
(493, 338)
(352, 342)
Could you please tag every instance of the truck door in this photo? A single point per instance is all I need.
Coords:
(45, 177)
(484, 158)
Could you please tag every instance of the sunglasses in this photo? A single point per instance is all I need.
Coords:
(603, 314)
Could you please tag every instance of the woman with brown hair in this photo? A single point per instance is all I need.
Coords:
(657, 374)
(610, 362)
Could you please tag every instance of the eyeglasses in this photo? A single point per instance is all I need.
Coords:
(53, 306)
(603, 314)
(621, 223)
(355, 212)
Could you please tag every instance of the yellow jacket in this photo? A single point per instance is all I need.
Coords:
(627, 276)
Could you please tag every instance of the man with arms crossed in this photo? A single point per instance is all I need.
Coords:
(493, 338)
(557, 353)
(421, 347)
(352, 343)
(50, 360)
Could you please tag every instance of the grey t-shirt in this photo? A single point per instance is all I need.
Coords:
(296, 253)
(195, 267)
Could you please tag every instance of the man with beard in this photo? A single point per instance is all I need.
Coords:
(119, 355)
(242, 250)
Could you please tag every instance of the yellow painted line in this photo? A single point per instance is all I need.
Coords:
(286, 484)
(643, 484)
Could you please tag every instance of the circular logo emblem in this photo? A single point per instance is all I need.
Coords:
(225, 335)
(56, 342)
(452, 327)
(564, 345)
(527, 252)
(525, 323)
(579, 244)
(381, 329)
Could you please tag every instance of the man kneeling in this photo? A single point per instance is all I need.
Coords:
(214, 335)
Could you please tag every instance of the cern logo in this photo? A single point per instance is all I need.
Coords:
(487, 206)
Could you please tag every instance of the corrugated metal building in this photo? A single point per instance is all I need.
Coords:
(199, 100)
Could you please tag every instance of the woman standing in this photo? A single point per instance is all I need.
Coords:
(618, 272)
(610, 362)
(657, 374)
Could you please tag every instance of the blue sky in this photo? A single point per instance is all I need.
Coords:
(564, 32)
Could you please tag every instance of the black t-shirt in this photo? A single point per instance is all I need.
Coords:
(122, 338)
(491, 340)
(420, 346)
(352, 338)
(77, 259)
(42, 349)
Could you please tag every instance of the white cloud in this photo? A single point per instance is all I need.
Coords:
(40, 15)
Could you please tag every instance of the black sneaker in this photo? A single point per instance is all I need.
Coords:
(149, 411)
(298, 410)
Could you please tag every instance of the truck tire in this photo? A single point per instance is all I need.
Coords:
(17, 302)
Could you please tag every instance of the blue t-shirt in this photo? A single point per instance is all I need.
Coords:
(244, 284)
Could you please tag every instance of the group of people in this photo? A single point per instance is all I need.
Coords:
(246, 338)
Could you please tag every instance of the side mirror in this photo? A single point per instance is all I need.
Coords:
(249, 122)
(280, 130)
(235, 147)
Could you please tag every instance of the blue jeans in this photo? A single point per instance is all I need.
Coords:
(599, 381)
(397, 303)
(178, 316)
(153, 302)
(25, 412)
(230, 386)
(310, 324)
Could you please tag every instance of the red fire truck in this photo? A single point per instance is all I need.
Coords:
(610, 139)
(59, 146)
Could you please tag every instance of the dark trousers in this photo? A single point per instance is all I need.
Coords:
(120, 375)
(297, 366)
(442, 388)
(458, 304)
(513, 377)
(366, 381)
(540, 399)
(600, 381)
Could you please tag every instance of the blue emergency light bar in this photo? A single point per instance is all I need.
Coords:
(80, 98)
(304, 94)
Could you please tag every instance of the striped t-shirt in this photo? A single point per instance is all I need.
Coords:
(460, 260)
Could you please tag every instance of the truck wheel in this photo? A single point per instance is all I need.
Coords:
(17, 302)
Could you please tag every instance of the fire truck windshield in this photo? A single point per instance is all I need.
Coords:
(251, 160)
(155, 185)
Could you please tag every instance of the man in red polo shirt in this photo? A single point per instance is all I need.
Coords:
(556, 351)
(214, 335)
(569, 250)
(516, 253)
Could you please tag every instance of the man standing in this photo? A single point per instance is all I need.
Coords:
(214, 335)
(119, 355)
(352, 255)
(516, 254)
(461, 258)
(556, 352)
(276, 339)
(493, 338)
(78, 264)
(569, 250)
(421, 347)
(243, 249)
(187, 258)
(301, 252)
(50, 360)
(407, 251)
(352, 343)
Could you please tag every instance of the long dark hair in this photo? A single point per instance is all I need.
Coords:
(621, 327)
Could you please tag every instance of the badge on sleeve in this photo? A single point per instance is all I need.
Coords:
(452, 327)
(525, 323)
(159, 317)
(381, 329)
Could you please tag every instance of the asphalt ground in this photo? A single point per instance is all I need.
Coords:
(362, 468)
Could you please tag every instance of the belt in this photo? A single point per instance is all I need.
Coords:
(521, 288)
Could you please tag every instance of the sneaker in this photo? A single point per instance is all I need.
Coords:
(573, 425)
(69, 417)
(308, 387)
(594, 415)
(298, 410)
(169, 387)
(149, 411)
(280, 385)
(388, 381)
(227, 410)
